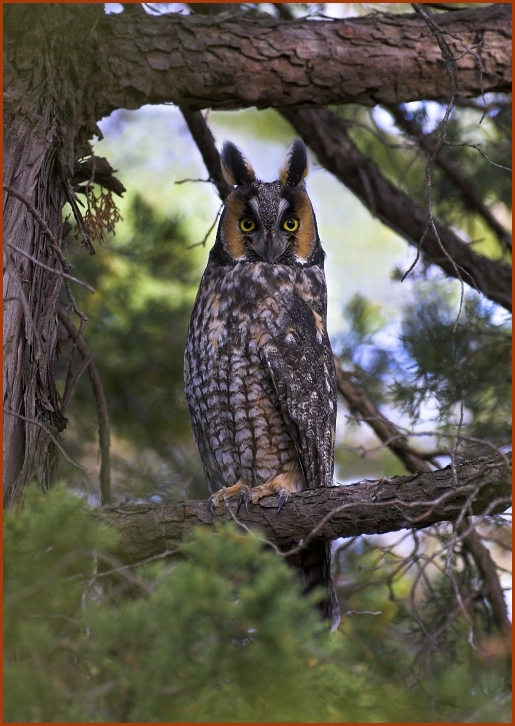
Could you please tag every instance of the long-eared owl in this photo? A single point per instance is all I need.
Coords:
(259, 371)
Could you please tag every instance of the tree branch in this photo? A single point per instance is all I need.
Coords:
(248, 60)
(326, 134)
(104, 434)
(492, 589)
(368, 507)
(206, 145)
(468, 192)
(386, 431)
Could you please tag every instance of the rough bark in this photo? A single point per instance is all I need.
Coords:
(255, 60)
(42, 132)
(326, 134)
(481, 486)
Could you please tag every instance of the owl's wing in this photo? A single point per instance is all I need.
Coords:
(215, 480)
(301, 368)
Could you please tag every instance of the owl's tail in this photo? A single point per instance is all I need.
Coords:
(313, 564)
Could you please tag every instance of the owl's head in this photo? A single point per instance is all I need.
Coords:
(271, 222)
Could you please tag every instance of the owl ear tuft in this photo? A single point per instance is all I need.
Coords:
(295, 168)
(236, 169)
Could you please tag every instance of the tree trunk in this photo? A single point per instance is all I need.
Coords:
(31, 297)
(40, 128)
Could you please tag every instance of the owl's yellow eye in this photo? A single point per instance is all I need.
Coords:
(247, 224)
(291, 224)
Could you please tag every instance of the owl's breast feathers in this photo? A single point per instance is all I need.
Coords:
(260, 378)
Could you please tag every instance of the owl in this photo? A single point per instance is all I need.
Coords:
(259, 371)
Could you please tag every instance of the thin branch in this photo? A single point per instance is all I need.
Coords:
(492, 589)
(324, 132)
(466, 188)
(478, 148)
(71, 198)
(22, 299)
(385, 430)
(48, 433)
(206, 236)
(53, 243)
(51, 269)
(104, 436)
(452, 72)
(206, 144)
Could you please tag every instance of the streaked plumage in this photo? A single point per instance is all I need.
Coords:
(259, 371)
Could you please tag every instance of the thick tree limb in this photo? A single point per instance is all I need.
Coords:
(326, 134)
(255, 60)
(368, 507)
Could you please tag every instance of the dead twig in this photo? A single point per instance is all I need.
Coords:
(48, 433)
(51, 269)
(53, 243)
(104, 435)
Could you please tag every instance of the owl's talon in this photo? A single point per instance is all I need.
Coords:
(211, 507)
(283, 496)
(244, 498)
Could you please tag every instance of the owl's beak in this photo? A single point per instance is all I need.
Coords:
(269, 247)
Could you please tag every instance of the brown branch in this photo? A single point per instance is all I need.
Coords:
(206, 145)
(79, 219)
(60, 273)
(95, 170)
(53, 244)
(326, 134)
(368, 507)
(104, 436)
(467, 190)
(492, 589)
(242, 61)
(387, 432)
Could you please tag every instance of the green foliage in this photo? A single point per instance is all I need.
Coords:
(145, 282)
(222, 634)
(426, 649)
(464, 362)
(478, 144)
(219, 633)
(436, 361)
(50, 547)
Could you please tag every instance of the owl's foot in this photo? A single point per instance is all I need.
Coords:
(282, 484)
(240, 490)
